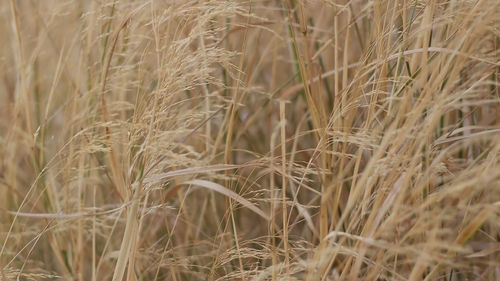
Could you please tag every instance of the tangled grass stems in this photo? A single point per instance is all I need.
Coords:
(250, 140)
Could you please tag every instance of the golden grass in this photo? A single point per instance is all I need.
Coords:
(250, 140)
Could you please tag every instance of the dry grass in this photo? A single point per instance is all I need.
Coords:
(250, 140)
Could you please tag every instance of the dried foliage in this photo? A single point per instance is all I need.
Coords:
(250, 140)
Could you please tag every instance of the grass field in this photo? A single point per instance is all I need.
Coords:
(250, 140)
